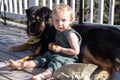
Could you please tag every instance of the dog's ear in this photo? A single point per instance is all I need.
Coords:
(48, 16)
(45, 13)
(31, 11)
(50, 22)
(27, 12)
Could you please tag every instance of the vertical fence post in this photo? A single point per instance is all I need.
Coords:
(111, 12)
(90, 17)
(57, 2)
(4, 18)
(25, 4)
(33, 3)
(72, 3)
(43, 2)
(50, 4)
(20, 7)
(64, 1)
(100, 11)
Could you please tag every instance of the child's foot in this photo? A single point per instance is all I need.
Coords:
(14, 64)
(43, 76)
(38, 77)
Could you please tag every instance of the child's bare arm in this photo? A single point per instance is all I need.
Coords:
(73, 41)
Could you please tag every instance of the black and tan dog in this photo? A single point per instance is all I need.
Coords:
(100, 45)
(39, 30)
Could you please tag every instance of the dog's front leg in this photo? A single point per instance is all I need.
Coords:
(26, 58)
(30, 57)
(102, 75)
(24, 46)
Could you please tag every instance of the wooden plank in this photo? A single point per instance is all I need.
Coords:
(20, 54)
(15, 74)
(3, 78)
(6, 55)
(13, 36)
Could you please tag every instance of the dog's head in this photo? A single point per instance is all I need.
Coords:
(31, 12)
(39, 19)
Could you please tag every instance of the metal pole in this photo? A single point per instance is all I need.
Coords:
(81, 12)
(5, 8)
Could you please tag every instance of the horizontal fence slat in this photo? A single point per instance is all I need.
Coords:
(15, 16)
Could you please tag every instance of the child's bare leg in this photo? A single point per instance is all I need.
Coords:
(21, 65)
(45, 75)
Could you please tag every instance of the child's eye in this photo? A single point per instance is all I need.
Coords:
(64, 20)
(56, 20)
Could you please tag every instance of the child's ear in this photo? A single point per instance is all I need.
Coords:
(72, 20)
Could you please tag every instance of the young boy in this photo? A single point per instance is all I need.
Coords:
(64, 51)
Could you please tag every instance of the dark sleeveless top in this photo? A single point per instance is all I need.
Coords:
(62, 39)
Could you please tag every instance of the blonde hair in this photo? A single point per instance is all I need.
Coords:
(63, 7)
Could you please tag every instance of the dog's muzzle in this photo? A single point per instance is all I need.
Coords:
(34, 29)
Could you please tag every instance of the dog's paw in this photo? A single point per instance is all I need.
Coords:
(21, 47)
(27, 58)
(103, 75)
(16, 48)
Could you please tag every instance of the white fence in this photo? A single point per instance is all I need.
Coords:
(16, 8)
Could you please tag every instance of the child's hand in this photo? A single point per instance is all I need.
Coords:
(51, 46)
(54, 47)
(57, 48)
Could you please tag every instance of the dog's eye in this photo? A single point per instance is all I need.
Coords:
(39, 20)
(37, 17)
(32, 20)
(33, 16)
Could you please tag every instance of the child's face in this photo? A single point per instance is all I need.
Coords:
(62, 20)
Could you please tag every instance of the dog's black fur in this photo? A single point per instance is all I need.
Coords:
(101, 46)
